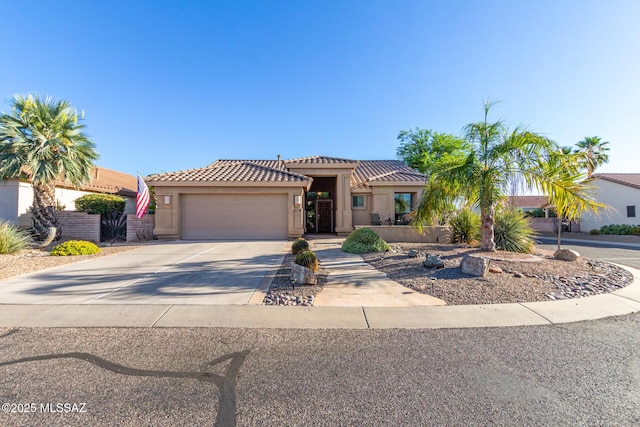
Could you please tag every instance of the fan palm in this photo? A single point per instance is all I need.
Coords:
(497, 157)
(594, 152)
(42, 140)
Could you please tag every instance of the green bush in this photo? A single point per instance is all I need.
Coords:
(100, 203)
(623, 230)
(12, 239)
(594, 232)
(465, 227)
(299, 245)
(364, 240)
(307, 259)
(512, 232)
(75, 247)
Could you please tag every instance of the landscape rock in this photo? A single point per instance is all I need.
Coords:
(474, 265)
(301, 275)
(566, 255)
(496, 270)
(412, 253)
(433, 261)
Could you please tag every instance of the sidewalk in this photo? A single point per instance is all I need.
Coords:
(355, 299)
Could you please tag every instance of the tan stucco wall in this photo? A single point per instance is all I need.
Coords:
(408, 234)
(168, 219)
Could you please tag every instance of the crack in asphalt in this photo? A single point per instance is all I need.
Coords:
(226, 383)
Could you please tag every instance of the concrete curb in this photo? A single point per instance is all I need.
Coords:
(623, 301)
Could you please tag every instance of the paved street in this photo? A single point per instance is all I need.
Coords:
(585, 373)
(183, 272)
(618, 254)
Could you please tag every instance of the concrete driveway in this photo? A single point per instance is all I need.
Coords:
(183, 272)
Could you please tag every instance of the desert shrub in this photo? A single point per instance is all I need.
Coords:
(12, 239)
(307, 259)
(364, 240)
(75, 247)
(100, 203)
(299, 245)
(512, 232)
(594, 232)
(623, 230)
(465, 227)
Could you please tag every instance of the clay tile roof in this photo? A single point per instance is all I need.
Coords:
(322, 160)
(528, 201)
(230, 171)
(371, 171)
(628, 179)
(108, 181)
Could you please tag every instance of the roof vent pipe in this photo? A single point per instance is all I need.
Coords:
(279, 161)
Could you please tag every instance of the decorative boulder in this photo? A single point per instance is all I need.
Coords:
(433, 261)
(302, 275)
(475, 265)
(412, 253)
(566, 255)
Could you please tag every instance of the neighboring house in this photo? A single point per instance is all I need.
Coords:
(279, 199)
(16, 196)
(530, 203)
(621, 193)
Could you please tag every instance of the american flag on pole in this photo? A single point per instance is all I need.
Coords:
(143, 198)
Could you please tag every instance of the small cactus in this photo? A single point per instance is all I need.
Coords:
(307, 259)
(299, 245)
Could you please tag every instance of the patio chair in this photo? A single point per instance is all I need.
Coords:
(375, 219)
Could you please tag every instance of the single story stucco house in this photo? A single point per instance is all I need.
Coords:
(279, 199)
(621, 193)
(16, 196)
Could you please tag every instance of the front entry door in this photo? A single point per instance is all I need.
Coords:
(324, 216)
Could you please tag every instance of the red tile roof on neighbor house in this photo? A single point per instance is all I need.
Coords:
(528, 201)
(628, 179)
(108, 181)
(366, 172)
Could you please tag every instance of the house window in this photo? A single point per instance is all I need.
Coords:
(357, 201)
(631, 211)
(403, 205)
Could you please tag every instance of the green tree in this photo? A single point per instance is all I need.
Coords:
(495, 157)
(42, 140)
(420, 149)
(593, 153)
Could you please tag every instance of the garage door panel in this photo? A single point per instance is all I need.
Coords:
(234, 216)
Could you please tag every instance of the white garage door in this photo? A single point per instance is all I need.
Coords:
(234, 216)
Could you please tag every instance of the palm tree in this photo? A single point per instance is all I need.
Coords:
(497, 157)
(594, 152)
(42, 140)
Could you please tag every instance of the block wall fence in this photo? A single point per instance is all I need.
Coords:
(84, 226)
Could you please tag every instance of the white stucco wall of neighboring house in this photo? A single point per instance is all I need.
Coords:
(9, 201)
(17, 197)
(617, 197)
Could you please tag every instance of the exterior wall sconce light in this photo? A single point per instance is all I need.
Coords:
(297, 200)
(167, 200)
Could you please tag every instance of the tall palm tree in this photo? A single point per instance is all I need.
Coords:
(594, 152)
(497, 157)
(42, 140)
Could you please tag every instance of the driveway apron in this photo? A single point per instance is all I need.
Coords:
(184, 272)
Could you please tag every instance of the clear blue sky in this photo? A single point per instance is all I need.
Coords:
(176, 85)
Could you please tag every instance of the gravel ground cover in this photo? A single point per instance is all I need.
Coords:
(31, 260)
(519, 277)
(282, 291)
